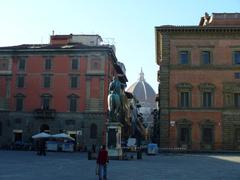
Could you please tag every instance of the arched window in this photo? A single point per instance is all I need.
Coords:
(93, 131)
(73, 102)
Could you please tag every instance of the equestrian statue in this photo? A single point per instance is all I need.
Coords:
(114, 100)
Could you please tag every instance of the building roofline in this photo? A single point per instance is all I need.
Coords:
(170, 28)
(70, 48)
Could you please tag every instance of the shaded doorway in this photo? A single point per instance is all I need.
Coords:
(184, 133)
(237, 138)
(44, 128)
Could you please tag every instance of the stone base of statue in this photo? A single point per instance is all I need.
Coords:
(113, 140)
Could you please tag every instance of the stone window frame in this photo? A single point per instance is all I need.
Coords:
(46, 96)
(202, 57)
(48, 63)
(184, 87)
(183, 123)
(95, 64)
(236, 100)
(20, 81)
(93, 131)
(5, 64)
(96, 59)
(237, 75)
(229, 89)
(207, 123)
(207, 87)
(70, 98)
(184, 49)
(236, 130)
(44, 80)
(19, 99)
(75, 67)
(233, 57)
(71, 81)
(22, 64)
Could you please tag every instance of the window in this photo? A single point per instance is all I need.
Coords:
(46, 101)
(21, 64)
(207, 135)
(17, 136)
(18, 120)
(93, 131)
(73, 105)
(75, 64)
(48, 64)
(70, 122)
(19, 103)
(46, 81)
(184, 57)
(20, 81)
(73, 99)
(95, 63)
(236, 57)
(237, 136)
(207, 94)
(184, 94)
(237, 75)
(206, 57)
(185, 99)
(74, 81)
(207, 99)
(184, 135)
(237, 100)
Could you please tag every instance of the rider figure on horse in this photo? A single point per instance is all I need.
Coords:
(114, 99)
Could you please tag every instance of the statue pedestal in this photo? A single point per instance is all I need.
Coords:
(113, 140)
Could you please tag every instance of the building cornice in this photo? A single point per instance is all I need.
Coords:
(165, 29)
(204, 67)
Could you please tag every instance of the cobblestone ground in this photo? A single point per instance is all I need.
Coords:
(20, 165)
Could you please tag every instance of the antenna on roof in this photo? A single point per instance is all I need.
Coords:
(53, 32)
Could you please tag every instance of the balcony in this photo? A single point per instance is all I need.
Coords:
(44, 114)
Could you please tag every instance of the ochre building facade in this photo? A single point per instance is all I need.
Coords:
(57, 87)
(199, 89)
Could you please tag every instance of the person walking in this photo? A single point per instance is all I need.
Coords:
(42, 147)
(102, 161)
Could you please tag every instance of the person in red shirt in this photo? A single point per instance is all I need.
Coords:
(102, 161)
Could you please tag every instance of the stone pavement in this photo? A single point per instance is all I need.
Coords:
(26, 165)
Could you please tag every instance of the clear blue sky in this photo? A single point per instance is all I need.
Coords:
(130, 23)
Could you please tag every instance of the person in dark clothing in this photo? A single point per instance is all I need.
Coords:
(42, 147)
(102, 161)
(38, 147)
(93, 148)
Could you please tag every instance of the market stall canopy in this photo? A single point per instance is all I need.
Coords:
(41, 135)
(63, 136)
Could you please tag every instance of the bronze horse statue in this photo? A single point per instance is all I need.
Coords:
(114, 100)
(114, 106)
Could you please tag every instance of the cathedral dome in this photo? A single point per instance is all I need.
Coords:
(143, 92)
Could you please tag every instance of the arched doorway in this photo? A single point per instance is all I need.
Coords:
(44, 128)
